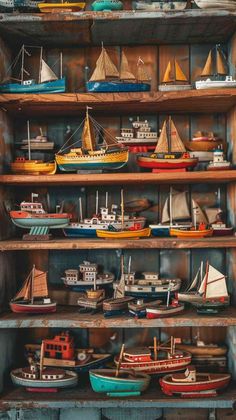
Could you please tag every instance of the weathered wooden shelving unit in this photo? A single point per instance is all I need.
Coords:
(80, 35)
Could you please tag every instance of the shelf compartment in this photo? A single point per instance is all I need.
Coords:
(85, 28)
(191, 101)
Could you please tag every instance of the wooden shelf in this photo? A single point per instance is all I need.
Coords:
(115, 28)
(120, 178)
(69, 317)
(191, 101)
(149, 243)
(83, 396)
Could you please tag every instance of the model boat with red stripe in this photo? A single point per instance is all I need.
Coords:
(164, 311)
(191, 384)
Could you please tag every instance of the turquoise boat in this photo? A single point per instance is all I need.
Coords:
(106, 5)
(127, 383)
(47, 81)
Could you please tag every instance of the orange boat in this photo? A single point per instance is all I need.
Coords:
(191, 233)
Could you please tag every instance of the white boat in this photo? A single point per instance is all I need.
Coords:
(83, 279)
(9, 5)
(219, 162)
(160, 5)
(139, 135)
(216, 4)
(201, 155)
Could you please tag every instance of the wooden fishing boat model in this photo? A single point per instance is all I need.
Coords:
(39, 142)
(139, 307)
(208, 294)
(33, 297)
(218, 163)
(164, 5)
(92, 156)
(164, 311)
(203, 349)
(203, 141)
(107, 78)
(116, 306)
(216, 77)
(106, 5)
(83, 279)
(47, 82)
(139, 138)
(174, 78)
(216, 4)
(64, 6)
(93, 300)
(170, 152)
(191, 384)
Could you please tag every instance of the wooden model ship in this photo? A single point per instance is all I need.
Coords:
(32, 166)
(204, 142)
(170, 152)
(92, 156)
(107, 78)
(191, 384)
(33, 297)
(138, 308)
(63, 6)
(83, 279)
(139, 138)
(106, 5)
(40, 142)
(216, 4)
(165, 358)
(93, 299)
(47, 81)
(165, 5)
(164, 311)
(101, 220)
(216, 71)
(218, 163)
(174, 78)
(207, 293)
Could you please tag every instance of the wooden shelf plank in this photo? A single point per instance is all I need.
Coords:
(69, 317)
(120, 178)
(191, 101)
(83, 396)
(84, 28)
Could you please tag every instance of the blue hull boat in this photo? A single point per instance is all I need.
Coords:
(77, 232)
(160, 231)
(55, 86)
(117, 86)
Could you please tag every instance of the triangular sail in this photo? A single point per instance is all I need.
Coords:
(105, 68)
(208, 68)
(110, 68)
(179, 74)
(120, 289)
(216, 284)
(180, 207)
(221, 64)
(167, 76)
(46, 73)
(88, 135)
(40, 288)
(193, 285)
(202, 285)
(198, 213)
(142, 75)
(125, 73)
(24, 292)
(162, 144)
(165, 212)
(212, 214)
(176, 144)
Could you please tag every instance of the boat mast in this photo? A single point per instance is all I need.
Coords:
(96, 206)
(129, 265)
(40, 64)
(170, 208)
(120, 360)
(28, 137)
(61, 57)
(206, 280)
(106, 203)
(41, 360)
(32, 285)
(169, 134)
(80, 209)
(22, 63)
(155, 348)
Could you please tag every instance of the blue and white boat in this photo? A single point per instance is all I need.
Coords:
(47, 81)
(107, 78)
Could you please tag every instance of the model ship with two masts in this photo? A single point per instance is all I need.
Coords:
(174, 78)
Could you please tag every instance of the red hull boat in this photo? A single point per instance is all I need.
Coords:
(183, 163)
(33, 309)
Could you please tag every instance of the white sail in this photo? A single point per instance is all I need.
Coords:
(194, 283)
(201, 290)
(216, 284)
(46, 74)
(198, 213)
(180, 208)
(212, 214)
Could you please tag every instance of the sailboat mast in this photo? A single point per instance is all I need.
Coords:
(205, 285)
(170, 209)
(28, 138)
(106, 204)
(129, 265)
(96, 209)
(22, 63)
(80, 209)
(169, 134)
(40, 64)
(61, 64)
(32, 285)
(41, 360)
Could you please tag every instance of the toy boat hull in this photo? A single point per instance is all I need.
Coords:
(126, 234)
(99, 361)
(156, 163)
(56, 86)
(202, 146)
(117, 304)
(117, 87)
(61, 7)
(223, 231)
(163, 311)
(90, 230)
(146, 291)
(169, 88)
(100, 6)
(161, 5)
(216, 4)
(215, 84)
(214, 167)
(207, 350)
(191, 233)
(82, 286)
(202, 156)
(27, 308)
(24, 219)
(70, 380)
(210, 308)
(34, 167)
(126, 384)
(164, 230)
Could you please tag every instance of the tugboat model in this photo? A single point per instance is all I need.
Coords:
(107, 78)
(91, 156)
(170, 152)
(48, 82)
(217, 74)
(39, 142)
(218, 163)
(33, 298)
(191, 384)
(140, 138)
(33, 216)
(208, 294)
(64, 6)
(106, 5)
(89, 272)
(102, 221)
(164, 358)
(164, 5)
(177, 81)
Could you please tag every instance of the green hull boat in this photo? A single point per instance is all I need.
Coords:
(107, 5)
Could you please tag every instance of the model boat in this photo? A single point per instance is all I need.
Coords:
(138, 308)
(31, 166)
(107, 78)
(106, 5)
(83, 279)
(214, 216)
(174, 78)
(139, 138)
(64, 6)
(93, 299)
(33, 297)
(208, 293)
(91, 156)
(10, 5)
(216, 4)
(200, 349)
(170, 152)
(216, 77)
(191, 384)
(47, 82)
(204, 142)
(101, 220)
(165, 5)
(218, 163)
(164, 311)
(165, 358)
(39, 142)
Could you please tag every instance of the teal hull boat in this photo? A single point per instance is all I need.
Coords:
(55, 86)
(127, 383)
(106, 5)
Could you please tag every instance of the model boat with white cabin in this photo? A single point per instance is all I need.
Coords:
(162, 5)
(83, 279)
(140, 135)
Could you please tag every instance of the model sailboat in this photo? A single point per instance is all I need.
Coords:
(32, 166)
(174, 78)
(92, 156)
(47, 82)
(216, 71)
(64, 6)
(107, 78)
(170, 152)
(33, 298)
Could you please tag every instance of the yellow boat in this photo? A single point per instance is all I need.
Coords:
(194, 233)
(124, 234)
(33, 167)
(61, 7)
